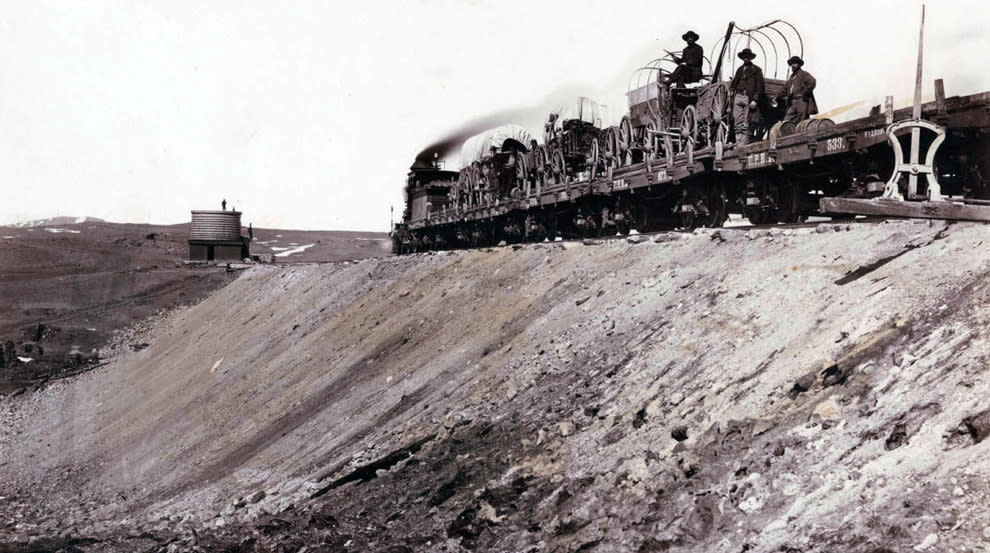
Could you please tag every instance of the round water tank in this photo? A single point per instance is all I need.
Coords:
(215, 225)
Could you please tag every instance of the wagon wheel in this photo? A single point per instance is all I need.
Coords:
(721, 133)
(611, 147)
(559, 166)
(472, 178)
(649, 142)
(593, 158)
(668, 147)
(664, 104)
(689, 127)
(625, 136)
(719, 113)
(522, 171)
(720, 99)
(541, 159)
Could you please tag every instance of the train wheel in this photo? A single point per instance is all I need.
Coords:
(688, 220)
(787, 204)
(718, 207)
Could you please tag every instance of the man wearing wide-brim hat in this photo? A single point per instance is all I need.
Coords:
(689, 63)
(746, 89)
(799, 93)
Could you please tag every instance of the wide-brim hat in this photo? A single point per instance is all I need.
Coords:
(690, 34)
(747, 54)
(795, 59)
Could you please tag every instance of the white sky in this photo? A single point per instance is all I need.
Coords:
(308, 114)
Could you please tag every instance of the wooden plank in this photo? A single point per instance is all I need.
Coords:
(894, 208)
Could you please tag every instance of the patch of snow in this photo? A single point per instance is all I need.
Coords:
(10, 237)
(278, 236)
(280, 249)
(293, 243)
(80, 220)
(25, 359)
(294, 250)
(25, 224)
(373, 239)
(57, 230)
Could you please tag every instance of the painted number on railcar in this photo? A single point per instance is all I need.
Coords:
(533, 202)
(758, 159)
(620, 184)
(835, 144)
(663, 176)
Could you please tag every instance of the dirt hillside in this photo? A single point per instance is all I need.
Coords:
(67, 284)
(806, 390)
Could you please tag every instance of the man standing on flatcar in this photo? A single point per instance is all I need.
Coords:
(799, 93)
(747, 89)
(689, 64)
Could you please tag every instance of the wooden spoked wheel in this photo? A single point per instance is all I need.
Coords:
(522, 171)
(689, 123)
(593, 157)
(719, 115)
(611, 147)
(720, 101)
(689, 128)
(625, 137)
(664, 105)
(559, 166)
(542, 166)
(721, 133)
(649, 140)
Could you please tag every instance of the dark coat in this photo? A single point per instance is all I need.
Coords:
(801, 85)
(689, 65)
(693, 55)
(748, 81)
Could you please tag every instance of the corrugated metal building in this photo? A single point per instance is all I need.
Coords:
(216, 236)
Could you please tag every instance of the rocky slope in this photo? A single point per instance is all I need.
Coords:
(804, 390)
(68, 284)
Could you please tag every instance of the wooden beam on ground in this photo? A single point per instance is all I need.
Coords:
(955, 211)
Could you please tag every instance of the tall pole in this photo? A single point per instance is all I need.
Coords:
(916, 113)
(717, 72)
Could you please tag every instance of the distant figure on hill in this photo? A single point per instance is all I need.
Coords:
(250, 231)
(223, 204)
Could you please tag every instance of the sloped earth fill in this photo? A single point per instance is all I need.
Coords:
(799, 390)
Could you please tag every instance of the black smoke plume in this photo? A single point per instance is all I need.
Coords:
(530, 118)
